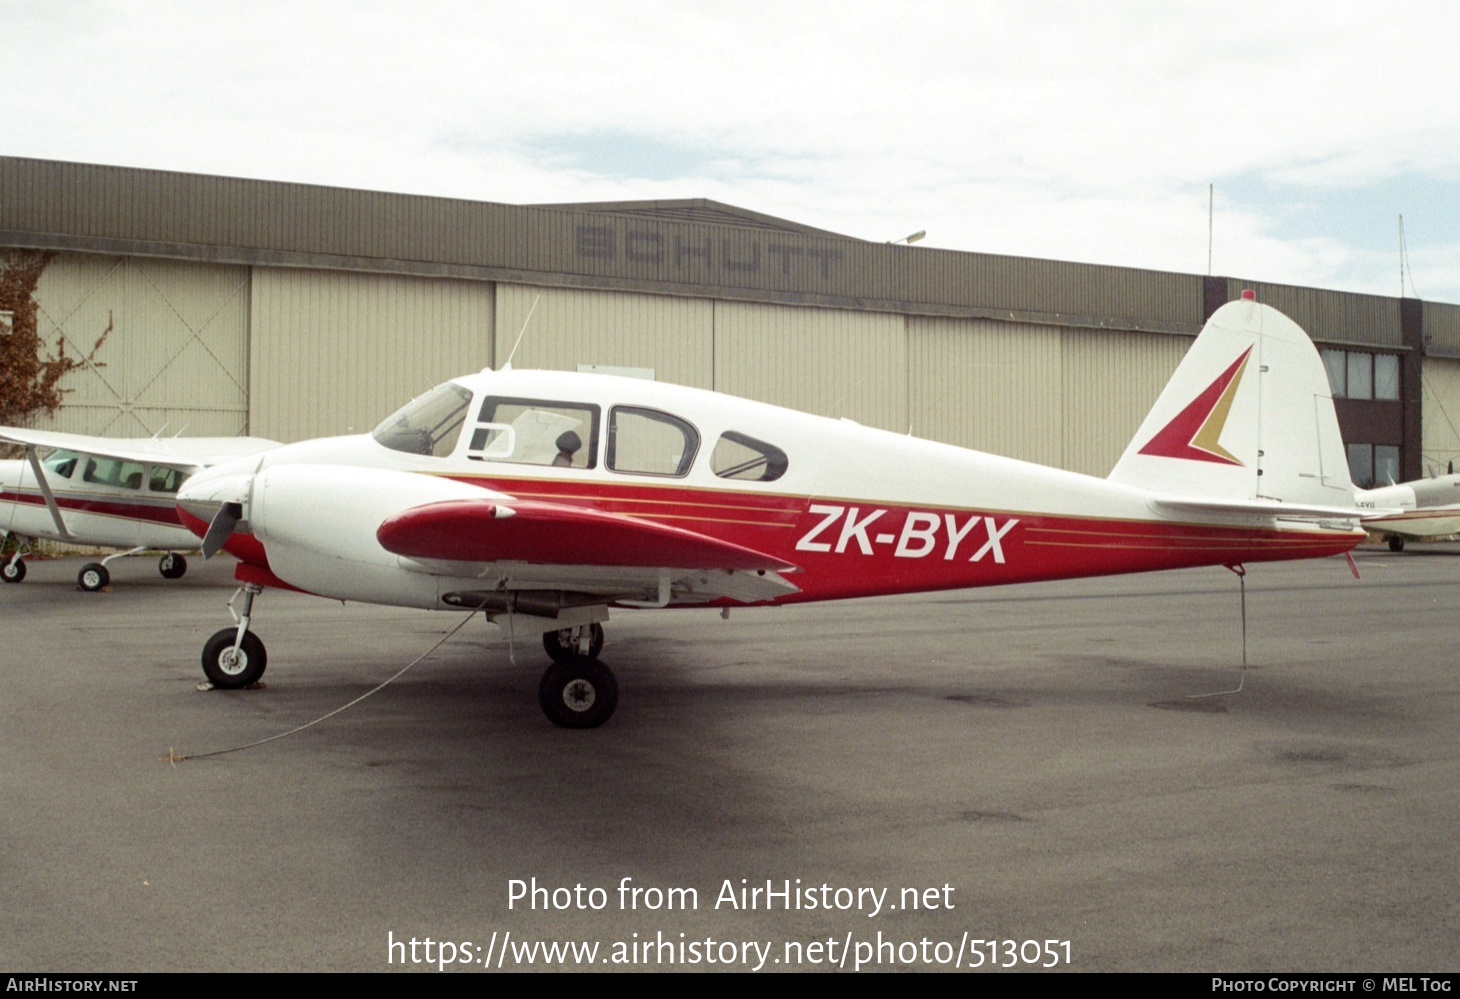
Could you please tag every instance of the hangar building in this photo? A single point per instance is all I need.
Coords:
(293, 311)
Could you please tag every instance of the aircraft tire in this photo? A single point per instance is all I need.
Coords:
(579, 692)
(1396, 543)
(558, 644)
(93, 577)
(228, 673)
(12, 572)
(172, 566)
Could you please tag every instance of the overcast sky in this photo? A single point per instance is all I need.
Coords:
(1073, 131)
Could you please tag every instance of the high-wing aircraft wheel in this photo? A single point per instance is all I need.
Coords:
(1396, 543)
(172, 566)
(578, 692)
(92, 577)
(561, 646)
(12, 572)
(229, 670)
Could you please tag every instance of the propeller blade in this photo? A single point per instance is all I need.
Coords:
(221, 528)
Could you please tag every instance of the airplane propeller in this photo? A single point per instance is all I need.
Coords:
(220, 529)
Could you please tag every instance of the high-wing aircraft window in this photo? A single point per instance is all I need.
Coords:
(429, 424)
(165, 480)
(738, 456)
(111, 472)
(543, 432)
(648, 442)
(60, 464)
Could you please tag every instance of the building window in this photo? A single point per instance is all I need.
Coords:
(1371, 465)
(1358, 374)
(1386, 376)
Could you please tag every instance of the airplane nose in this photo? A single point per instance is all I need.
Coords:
(219, 497)
(205, 492)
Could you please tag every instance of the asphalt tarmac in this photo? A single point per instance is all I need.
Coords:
(1018, 776)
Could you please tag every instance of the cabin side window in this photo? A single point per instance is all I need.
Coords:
(60, 464)
(113, 473)
(165, 480)
(742, 457)
(536, 432)
(429, 424)
(648, 442)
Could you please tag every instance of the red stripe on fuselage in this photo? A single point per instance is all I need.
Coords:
(159, 512)
(847, 548)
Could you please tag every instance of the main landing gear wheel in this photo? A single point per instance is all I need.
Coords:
(12, 572)
(578, 692)
(233, 670)
(561, 645)
(1396, 543)
(172, 566)
(92, 577)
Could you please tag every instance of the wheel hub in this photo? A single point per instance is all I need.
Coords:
(579, 695)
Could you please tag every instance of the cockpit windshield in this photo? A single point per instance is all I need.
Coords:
(428, 424)
(60, 463)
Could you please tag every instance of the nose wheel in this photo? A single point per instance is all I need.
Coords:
(234, 657)
(233, 668)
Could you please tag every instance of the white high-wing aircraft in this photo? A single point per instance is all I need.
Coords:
(543, 498)
(107, 492)
(1424, 508)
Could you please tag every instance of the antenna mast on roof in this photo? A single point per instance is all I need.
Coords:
(521, 332)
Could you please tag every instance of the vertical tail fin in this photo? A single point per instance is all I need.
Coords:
(1248, 415)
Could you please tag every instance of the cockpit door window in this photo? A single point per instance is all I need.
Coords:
(536, 432)
(648, 442)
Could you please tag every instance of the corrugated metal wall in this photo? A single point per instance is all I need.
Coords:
(336, 352)
(1111, 382)
(263, 222)
(825, 361)
(175, 358)
(1442, 326)
(1072, 398)
(673, 336)
(987, 385)
(1441, 413)
(1339, 316)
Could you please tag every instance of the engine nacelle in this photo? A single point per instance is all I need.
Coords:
(317, 525)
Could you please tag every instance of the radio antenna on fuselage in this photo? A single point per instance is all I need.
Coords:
(521, 333)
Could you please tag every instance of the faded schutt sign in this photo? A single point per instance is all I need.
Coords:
(709, 255)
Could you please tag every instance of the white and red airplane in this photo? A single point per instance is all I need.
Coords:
(104, 492)
(1423, 508)
(543, 498)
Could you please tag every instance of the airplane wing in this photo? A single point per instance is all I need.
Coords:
(187, 453)
(552, 541)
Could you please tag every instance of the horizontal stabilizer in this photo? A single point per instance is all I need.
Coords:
(553, 534)
(1258, 508)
